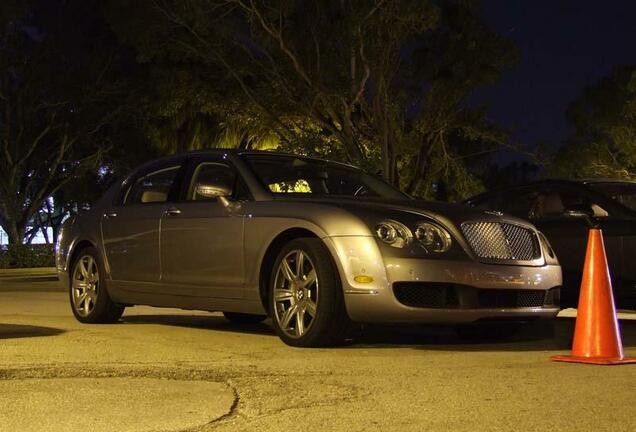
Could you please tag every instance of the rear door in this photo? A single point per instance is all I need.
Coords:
(201, 238)
(130, 229)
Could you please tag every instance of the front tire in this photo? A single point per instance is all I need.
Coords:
(305, 296)
(89, 298)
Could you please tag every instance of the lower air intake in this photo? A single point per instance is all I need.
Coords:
(454, 296)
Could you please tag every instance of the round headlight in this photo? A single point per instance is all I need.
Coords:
(433, 237)
(393, 233)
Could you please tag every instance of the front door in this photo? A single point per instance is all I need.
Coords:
(201, 238)
(130, 229)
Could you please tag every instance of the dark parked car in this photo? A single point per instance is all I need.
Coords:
(555, 207)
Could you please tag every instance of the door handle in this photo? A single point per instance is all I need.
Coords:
(172, 211)
(110, 214)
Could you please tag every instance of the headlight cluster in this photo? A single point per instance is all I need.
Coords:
(394, 233)
(432, 237)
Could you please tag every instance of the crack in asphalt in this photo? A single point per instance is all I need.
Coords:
(233, 411)
(228, 378)
(78, 371)
(45, 372)
(148, 370)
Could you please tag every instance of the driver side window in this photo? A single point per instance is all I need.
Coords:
(556, 203)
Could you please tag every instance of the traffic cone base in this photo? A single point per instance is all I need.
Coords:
(608, 361)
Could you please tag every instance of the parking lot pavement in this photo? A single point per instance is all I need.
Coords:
(133, 404)
(393, 378)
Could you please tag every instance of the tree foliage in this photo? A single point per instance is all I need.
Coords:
(90, 88)
(603, 118)
(380, 84)
(55, 104)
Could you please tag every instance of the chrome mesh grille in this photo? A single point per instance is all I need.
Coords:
(456, 296)
(501, 241)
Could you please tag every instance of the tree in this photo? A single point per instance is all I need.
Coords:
(460, 56)
(300, 93)
(603, 119)
(382, 84)
(56, 104)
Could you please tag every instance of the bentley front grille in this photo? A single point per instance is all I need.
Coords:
(500, 241)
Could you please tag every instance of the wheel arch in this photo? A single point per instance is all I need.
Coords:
(75, 251)
(267, 263)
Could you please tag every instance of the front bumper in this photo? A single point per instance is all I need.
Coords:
(376, 301)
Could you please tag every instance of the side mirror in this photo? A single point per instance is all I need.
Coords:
(210, 191)
(576, 214)
(580, 209)
(581, 215)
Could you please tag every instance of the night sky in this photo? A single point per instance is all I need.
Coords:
(564, 46)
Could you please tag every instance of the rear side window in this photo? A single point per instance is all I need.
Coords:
(153, 187)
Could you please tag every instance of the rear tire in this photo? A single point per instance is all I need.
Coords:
(305, 296)
(88, 295)
(243, 318)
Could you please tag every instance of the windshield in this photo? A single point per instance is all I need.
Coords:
(624, 193)
(311, 177)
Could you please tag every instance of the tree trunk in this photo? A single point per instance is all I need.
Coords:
(389, 166)
(15, 233)
(422, 163)
(384, 131)
(43, 228)
(349, 140)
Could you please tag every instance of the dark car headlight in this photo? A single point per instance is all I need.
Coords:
(394, 233)
(433, 237)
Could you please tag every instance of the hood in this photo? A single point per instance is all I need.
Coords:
(441, 211)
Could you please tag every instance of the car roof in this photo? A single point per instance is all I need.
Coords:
(573, 182)
(580, 182)
(605, 180)
(576, 181)
(285, 154)
(241, 152)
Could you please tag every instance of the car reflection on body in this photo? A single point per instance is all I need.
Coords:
(561, 208)
(316, 245)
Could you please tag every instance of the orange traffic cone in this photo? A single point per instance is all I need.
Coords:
(597, 339)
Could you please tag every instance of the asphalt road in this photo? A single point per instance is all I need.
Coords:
(164, 369)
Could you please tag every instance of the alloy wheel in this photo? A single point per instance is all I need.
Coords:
(85, 285)
(295, 293)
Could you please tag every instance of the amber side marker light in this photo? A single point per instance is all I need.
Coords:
(363, 279)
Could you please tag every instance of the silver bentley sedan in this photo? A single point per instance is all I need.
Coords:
(316, 245)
